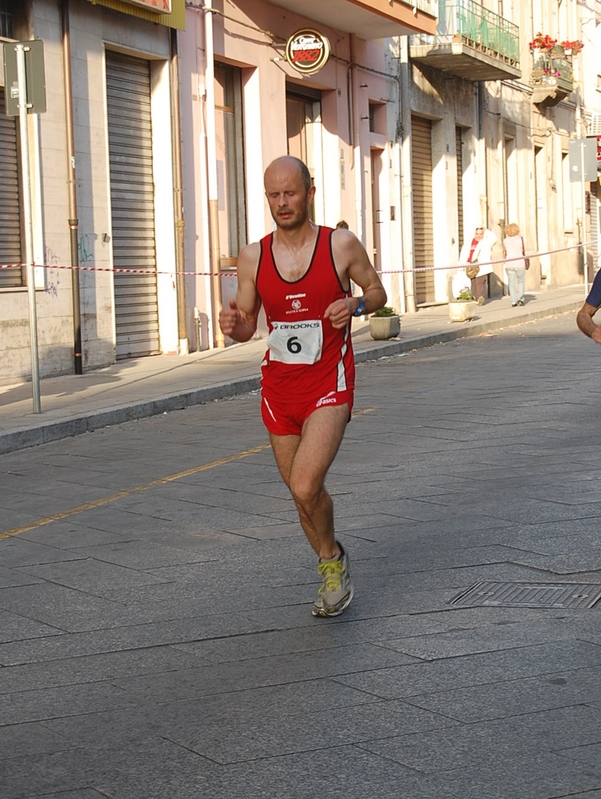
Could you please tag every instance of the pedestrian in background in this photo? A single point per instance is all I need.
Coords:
(476, 254)
(515, 266)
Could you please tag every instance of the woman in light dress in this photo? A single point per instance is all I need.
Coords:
(515, 264)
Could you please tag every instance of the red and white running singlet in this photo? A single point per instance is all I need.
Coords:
(306, 356)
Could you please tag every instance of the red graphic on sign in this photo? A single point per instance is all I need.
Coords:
(306, 56)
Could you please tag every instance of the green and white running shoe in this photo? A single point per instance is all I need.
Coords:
(336, 591)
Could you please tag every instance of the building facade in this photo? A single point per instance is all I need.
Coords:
(493, 101)
(103, 179)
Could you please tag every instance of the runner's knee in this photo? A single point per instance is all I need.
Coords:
(305, 492)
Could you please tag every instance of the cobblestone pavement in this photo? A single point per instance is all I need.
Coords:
(156, 640)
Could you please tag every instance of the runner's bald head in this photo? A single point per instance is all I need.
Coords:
(288, 163)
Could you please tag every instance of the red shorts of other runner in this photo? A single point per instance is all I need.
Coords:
(286, 418)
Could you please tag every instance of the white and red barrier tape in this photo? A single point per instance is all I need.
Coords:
(121, 271)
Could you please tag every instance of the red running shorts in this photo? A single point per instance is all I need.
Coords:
(286, 418)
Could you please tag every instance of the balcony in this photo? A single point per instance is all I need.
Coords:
(470, 42)
(552, 77)
(368, 19)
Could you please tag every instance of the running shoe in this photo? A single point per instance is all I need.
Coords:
(336, 591)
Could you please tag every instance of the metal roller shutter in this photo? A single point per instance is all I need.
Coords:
(459, 151)
(423, 223)
(132, 204)
(10, 201)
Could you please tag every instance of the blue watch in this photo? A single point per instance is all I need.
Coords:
(360, 308)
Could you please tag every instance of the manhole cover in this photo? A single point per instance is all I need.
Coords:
(530, 595)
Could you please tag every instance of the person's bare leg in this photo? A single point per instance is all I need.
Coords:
(284, 449)
(303, 463)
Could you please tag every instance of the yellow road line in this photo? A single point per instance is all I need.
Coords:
(362, 411)
(98, 503)
(56, 517)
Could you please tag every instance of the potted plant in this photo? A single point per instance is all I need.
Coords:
(463, 307)
(384, 324)
(572, 47)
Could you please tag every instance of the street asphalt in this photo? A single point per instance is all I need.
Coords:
(156, 640)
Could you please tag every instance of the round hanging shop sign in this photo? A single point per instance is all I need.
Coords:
(307, 51)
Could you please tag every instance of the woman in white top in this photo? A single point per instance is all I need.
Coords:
(516, 267)
(479, 250)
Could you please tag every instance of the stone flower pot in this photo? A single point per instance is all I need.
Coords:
(384, 327)
(462, 311)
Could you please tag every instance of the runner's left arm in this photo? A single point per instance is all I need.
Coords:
(352, 263)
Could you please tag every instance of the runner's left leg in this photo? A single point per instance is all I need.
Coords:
(303, 462)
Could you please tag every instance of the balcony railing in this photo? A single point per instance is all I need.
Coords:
(427, 6)
(469, 23)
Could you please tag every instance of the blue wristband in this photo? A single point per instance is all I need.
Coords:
(360, 308)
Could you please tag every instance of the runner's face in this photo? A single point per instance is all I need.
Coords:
(287, 197)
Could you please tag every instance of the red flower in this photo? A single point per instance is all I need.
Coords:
(541, 42)
(575, 46)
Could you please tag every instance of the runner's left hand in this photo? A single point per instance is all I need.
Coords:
(339, 313)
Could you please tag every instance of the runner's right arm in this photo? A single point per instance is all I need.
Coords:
(239, 321)
(584, 320)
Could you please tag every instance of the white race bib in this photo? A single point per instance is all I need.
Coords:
(296, 342)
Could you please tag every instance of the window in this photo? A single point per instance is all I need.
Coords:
(303, 122)
(377, 118)
(567, 194)
(6, 24)
(230, 161)
(10, 201)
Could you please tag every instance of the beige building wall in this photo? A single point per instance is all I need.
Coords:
(93, 29)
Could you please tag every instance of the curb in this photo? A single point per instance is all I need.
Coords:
(458, 331)
(48, 432)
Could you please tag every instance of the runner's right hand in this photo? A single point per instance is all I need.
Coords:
(229, 318)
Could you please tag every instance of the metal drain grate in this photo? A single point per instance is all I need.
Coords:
(529, 595)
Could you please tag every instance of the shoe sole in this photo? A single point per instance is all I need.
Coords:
(324, 613)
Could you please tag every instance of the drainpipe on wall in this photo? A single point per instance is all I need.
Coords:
(357, 157)
(397, 153)
(482, 155)
(72, 184)
(178, 199)
(406, 189)
(212, 173)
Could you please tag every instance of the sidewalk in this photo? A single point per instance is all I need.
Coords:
(141, 387)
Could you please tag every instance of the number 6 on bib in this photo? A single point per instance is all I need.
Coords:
(296, 342)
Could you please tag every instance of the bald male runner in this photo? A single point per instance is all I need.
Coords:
(301, 275)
